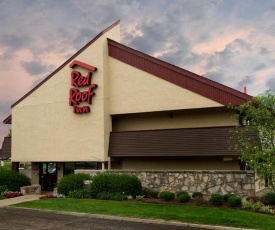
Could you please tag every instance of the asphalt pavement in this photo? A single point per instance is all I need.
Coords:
(29, 219)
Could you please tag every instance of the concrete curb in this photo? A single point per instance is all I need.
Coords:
(132, 219)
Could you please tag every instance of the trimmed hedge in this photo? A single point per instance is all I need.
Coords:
(184, 198)
(216, 199)
(166, 195)
(234, 201)
(196, 194)
(105, 184)
(12, 181)
(72, 182)
(181, 193)
(269, 198)
(150, 193)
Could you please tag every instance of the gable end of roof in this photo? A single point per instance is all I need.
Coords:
(66, 62)
(176, 75)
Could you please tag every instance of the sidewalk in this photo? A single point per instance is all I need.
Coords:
(18, 199)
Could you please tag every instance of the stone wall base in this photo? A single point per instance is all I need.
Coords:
(241, 183)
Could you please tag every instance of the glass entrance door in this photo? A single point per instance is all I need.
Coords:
(48, 176)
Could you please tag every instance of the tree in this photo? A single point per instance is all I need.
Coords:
(255, 140)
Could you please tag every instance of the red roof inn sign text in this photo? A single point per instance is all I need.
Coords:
(77, 80)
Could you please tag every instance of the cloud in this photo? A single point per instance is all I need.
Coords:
(214, 76)
(259, 67)
(271, 84)
(34, 67)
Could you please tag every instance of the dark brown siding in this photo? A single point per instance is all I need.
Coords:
(6, 148)
(173, 142)
(181, 77)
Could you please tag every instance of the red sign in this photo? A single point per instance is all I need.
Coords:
(77, 80)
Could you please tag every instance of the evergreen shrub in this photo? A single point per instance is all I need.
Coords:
(184, 198)
(216, 199)
(12, 181)
(166, 195)
(195, 194)
(269, 198)
(234, 201)
(123, 184)
(226, 196)
(72, 182)
(181, 193)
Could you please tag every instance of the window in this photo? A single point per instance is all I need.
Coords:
(69, 167)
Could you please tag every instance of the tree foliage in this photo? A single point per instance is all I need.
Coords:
(256, 139)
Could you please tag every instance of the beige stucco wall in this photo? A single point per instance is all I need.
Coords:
(179, 163)
(207, 117)
(135, 91)
(44, 125)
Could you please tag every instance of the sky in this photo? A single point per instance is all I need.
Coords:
(229, 41)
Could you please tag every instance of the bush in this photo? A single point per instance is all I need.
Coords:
(181, 193)
(226, 197)
(115, 184)
(80, 194)
(195, 194)
(234, 201)
(13, 180)
(2, 197)
(216, 199)
(3, 188)
(72, 182)
(269, 198)
(111, 196)
(152, 194)
(167, 196)
(149, 193)
(184, 198)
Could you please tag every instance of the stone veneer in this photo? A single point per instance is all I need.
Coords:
(241, 183)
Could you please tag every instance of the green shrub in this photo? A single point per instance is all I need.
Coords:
(226, 197)
(72, 182)
(149, 193)
(234, 201)
(216, 199)
(184, 198)
(166, 195)
(115, 183)
(256, 206)
(111, 196)
(3, 188)
(181, 193)
(80, 194)
(195, 194)
(269, 198)
(247, 205)
(152, 194)
(13, 180)
(140, 197)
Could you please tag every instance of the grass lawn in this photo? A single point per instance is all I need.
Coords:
(7, 165)
(183, 213)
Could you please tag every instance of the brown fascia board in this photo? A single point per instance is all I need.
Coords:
(176, 75)
(65, 63)
(8, 120)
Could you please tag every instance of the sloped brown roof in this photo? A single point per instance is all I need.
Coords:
(210, 141)
(7, 120)
(6, 148)
(176, 75)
